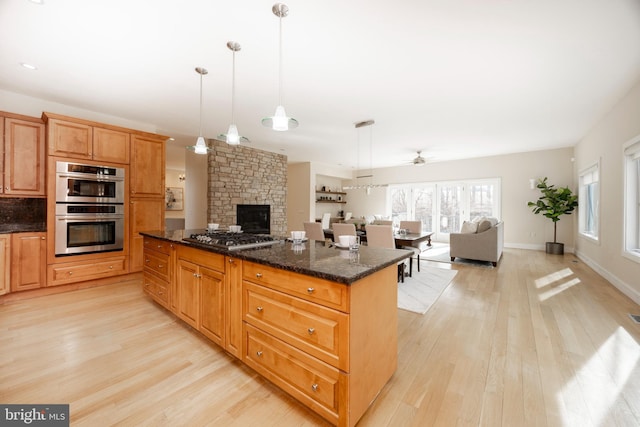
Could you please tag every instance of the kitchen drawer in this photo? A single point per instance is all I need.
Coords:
(72, 272)
(312, 289)
(317, 330)
(309, 380)
(158, 263)
(204, 258)
(158, 245)
(157, 289)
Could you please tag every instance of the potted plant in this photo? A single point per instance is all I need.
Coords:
(553, 203)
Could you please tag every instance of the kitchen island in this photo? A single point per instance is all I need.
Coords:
(317, 321)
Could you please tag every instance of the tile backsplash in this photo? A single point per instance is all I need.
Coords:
(23, 214)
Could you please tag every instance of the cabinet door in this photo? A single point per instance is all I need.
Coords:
(233, 306)
(28, 261)
(24, 158)
(212, 305)
(5, 263)
(188, 295)
(110, 145)
(68, 139)
(147, 167)
(144, 215)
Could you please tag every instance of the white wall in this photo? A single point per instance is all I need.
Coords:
(299, 202)
(195, 197)
(604, 142)
(523, 229)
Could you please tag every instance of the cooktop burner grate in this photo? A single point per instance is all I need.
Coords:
(232, 241)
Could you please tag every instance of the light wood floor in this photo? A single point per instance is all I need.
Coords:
(541, 340)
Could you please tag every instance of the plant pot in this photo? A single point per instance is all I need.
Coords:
(554, 248)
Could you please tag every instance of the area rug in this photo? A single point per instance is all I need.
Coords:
(418, 293)
(440, 253)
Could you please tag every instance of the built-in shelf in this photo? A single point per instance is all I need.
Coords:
(330, 197)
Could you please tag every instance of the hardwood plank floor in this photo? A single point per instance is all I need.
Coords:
(541, 340)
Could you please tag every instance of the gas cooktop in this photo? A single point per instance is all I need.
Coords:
(232, 241)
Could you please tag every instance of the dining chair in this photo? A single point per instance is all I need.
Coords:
(326, 221)
(413, 227)
(341, 229)
(381, 236)
(314, 231)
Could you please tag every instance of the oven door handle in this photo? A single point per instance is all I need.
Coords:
(92, 177)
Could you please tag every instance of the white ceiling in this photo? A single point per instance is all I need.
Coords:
(453, 78)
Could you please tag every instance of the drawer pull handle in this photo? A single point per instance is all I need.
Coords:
(159, 246)
(311, 331)
(70, 273)
(231, 261)
(111, 267)
(259, 353)
(160, 293)
(160, 265)
(259, 308)
(310, 290)
(258, 275)
(314, 387)
(197, 276)
(147, 261)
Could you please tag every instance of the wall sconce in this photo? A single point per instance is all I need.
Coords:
(181, 177)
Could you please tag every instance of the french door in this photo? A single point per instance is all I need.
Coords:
(442, 207)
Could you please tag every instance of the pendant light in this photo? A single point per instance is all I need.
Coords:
(232, 137)
(279, 121)
(201, 145)
(358, 186)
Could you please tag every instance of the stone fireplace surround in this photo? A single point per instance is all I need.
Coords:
(243, 175)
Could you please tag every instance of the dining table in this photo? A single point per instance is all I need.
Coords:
(402, 240)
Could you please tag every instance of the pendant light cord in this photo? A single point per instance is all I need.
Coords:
(233, 87)
(280, 62)
(200, 104)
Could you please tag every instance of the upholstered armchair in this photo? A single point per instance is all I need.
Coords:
(483, 245)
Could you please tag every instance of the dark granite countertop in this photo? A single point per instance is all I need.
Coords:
(22, 228)
(318, 259)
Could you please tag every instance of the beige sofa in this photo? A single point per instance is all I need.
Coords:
(485, 245)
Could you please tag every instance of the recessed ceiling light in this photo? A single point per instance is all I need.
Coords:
(171, 138)
(28, 66)
(37, 1)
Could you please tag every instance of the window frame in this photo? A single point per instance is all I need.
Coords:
(631, 196)
(582, 206)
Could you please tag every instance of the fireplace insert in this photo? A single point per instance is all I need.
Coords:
(254, 218)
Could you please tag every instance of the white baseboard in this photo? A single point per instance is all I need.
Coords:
(623, 287)
(534, 247)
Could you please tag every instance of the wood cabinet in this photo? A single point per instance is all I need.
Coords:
(87, 269)
(28, 261)
(159, 262)
(326, 344)
(5, 263)
(144, 215)
(22, 167)
(233, 306)
(147, 166)
(201, 292)
(79, 139)
(147, 190)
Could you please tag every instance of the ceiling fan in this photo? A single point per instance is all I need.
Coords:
(419, 160)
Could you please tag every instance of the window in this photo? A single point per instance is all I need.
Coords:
(632, 199)
(589, 196)
(443, 206)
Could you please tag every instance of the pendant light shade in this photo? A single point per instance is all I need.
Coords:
(201, 145)
(279, 121)
(232, 137)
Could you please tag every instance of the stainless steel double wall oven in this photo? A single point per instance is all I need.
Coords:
(89, 208)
